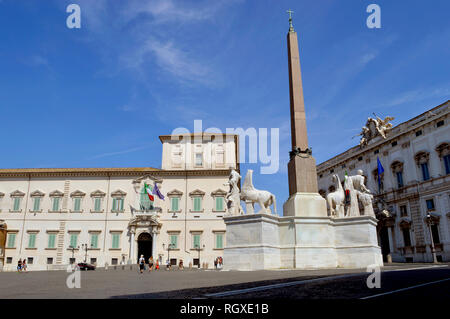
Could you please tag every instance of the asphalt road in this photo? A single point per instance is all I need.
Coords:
(189, 284)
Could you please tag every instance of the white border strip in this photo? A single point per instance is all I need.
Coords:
(404, 289)
(300, 282)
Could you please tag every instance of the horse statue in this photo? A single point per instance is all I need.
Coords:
(264, 198)
(336, 199)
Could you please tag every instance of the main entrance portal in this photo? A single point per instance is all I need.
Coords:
(145, 246)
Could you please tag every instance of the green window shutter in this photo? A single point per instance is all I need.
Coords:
(77, 204)
(115, 241)
(174, 241)
(122, 200)
(51, 240)
(219, 241)
(32, 241)
(16, 204)
(196, 241)
(219, 203)
(114, 205)
(37, 204)
(73, 240)
(97, 204)
(175, 204)
(94, 240)
(56, 204)
(11, 240)
(197, 204)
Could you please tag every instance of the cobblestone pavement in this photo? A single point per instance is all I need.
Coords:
(126, 283)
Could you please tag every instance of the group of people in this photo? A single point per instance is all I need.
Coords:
(218, 262)
(22, 265)
(152, 265)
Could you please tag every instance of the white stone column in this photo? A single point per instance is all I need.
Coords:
(131, 254)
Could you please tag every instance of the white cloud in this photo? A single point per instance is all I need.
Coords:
(137, 32)
(165, 11)
(419, 95)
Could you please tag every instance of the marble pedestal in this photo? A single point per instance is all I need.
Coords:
(261, 241)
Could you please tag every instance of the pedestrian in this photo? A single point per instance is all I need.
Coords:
(141, 264)
(215, 263)
(150, 264)
(168, 264)
(157, 265)
(24, 265)
(180, 265)
(19, 265)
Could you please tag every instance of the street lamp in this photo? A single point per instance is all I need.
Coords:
(169, 247)
(85, 247)
(197, 246)
(73, 253)
(429, 219)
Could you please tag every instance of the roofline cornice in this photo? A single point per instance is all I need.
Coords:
(107, 172)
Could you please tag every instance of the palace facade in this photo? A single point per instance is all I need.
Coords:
(412, 201)
(54, 217)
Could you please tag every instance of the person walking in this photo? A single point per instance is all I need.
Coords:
(24, 265)
(141, 264)
(157, 265)
(215, 263)
(167, 264)
(150, 264)
(19, 265)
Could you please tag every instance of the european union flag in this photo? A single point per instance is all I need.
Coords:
(380, 171)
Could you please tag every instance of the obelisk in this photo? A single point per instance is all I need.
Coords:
(302, 166)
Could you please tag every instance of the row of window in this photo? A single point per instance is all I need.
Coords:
(197, 204)
(115, 240)
(197, 241)
(73, 240)
(117, 203)
(429, 203)
(421, 159)
(397, 170)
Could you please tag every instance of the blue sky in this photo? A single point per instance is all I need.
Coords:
(100, 96)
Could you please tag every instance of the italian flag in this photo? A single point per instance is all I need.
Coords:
(149, 192)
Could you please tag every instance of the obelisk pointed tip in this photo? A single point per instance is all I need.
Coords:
(291, 27)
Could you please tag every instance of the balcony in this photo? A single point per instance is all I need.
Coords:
(155, 211)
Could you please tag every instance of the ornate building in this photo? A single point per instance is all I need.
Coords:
(53, 217)
(412, 196)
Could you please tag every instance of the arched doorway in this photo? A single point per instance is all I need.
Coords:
(145, 243)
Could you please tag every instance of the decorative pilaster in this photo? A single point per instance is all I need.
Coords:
(154, 243)
(131, 254)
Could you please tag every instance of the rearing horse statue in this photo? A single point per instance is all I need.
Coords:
(263, 198)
